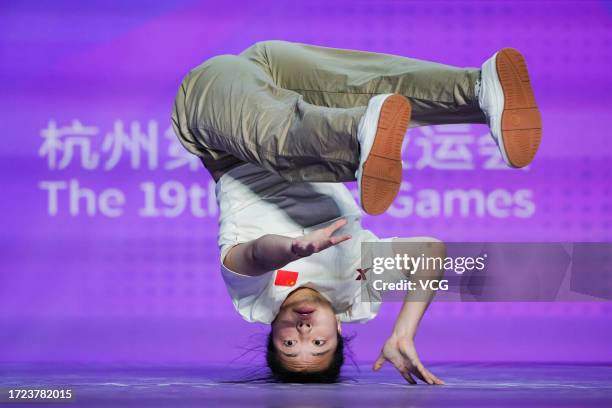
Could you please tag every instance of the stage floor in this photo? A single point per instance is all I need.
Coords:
(467, 385)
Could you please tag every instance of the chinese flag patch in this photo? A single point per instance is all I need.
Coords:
(285, 278)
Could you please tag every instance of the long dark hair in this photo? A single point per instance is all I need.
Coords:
(280, 373)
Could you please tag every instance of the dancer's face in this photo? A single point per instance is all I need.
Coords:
(305, 331)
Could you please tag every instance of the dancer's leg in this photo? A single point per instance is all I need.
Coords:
(228, 111)
(438, 93)
(335, 77)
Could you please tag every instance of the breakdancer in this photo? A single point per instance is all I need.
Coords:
(280, 127)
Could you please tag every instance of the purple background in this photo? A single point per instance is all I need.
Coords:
(147, 289)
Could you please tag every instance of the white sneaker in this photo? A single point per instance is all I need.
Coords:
(381, 132)
(506, 98)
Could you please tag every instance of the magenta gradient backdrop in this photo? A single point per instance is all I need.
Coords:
(136, 279)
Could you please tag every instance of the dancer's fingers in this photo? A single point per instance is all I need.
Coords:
(380, 361)
(406, 374)
(437, 381)
(429, 375)
(336, 226)
(339, 239)
(421, 374)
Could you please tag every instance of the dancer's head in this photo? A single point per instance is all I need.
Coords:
(305, 344)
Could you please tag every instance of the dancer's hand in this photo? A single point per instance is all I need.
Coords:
(318, 240)
(400, 351)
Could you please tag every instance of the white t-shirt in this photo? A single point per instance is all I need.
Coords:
(254, 202)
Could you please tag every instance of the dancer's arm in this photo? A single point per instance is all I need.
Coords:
(399, 348)
(271, 252)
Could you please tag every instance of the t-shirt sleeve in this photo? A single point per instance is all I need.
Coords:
(241, 286)
(248, 293)
(365, 307)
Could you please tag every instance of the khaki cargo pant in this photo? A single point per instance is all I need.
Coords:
(294, 109)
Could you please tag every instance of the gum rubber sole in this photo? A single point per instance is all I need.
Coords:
(382, 170)
(521, 123)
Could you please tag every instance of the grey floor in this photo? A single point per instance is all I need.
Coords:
(467, 385)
